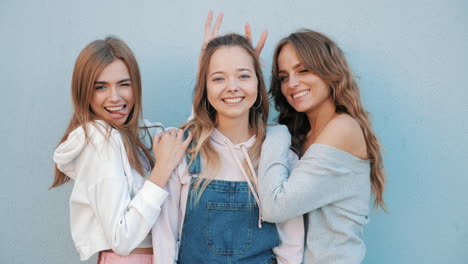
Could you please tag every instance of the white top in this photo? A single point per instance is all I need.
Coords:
(167, 232)
(111, 205)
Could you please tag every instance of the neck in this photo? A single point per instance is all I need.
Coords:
(319, 117)
(237, 130)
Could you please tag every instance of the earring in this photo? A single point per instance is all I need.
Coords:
(259, 104)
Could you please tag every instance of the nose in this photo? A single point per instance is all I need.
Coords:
(293, 81)
(115, 94)
(232, 85)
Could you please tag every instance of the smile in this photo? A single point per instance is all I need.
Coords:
(118, 109)
(300, 94)
(233, 100)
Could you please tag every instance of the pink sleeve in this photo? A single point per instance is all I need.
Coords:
(165, 231)
(291, 234)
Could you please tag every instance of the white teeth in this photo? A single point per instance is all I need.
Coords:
(115, 108)
(233, 100)
(300, 94)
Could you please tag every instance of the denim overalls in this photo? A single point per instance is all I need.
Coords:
(222, 227)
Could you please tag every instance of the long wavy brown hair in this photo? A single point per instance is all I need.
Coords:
(324, 58)
(88, 66)
(205, 116)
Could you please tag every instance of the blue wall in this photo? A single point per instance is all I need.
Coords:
(410, 57)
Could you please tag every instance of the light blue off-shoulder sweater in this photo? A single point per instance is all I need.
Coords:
(331, 187)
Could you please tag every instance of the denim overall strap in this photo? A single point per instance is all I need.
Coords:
(221, 227)
(195, 166)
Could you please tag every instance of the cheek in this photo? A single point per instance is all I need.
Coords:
(325, 90)
(252, 87)
(283, 90)
(212, 92)
(128, 96)
(96, 101)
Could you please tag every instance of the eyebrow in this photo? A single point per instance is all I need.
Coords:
(121, 81)
(239, 70)
(299, 64)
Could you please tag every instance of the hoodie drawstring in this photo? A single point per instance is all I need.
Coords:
(249, 162)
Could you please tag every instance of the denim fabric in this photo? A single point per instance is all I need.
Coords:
(222, 227)
(195, 166)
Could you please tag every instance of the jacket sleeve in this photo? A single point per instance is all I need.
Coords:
(165, 232)
(313, 183)
(125, 220)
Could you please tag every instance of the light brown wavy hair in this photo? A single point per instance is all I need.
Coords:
(205, 116)
(88, 66)
(321, 56)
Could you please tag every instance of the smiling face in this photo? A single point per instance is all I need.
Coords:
(303, 90)
(112, 99)
(232, 83)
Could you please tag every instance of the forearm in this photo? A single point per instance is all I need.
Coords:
(276, 193)
(313, 183)
(160, 174)
(125, 221)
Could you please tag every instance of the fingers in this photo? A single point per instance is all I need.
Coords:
(188, 140)
(248, 33)
(217, 25)
(156, 139)
(210, 34)
(172, 132)
(209, 18)
(180, 134)
(261, 42)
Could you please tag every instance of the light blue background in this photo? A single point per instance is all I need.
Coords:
(410, 57)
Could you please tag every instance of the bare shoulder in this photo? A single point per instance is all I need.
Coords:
(344, 132)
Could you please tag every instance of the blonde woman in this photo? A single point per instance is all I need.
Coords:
(117, 188)
(218, 211)
(340, 161)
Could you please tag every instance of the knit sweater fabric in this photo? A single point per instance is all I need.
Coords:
(330, 186)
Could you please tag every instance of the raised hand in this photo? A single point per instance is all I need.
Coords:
(209, 32)
(169, 149)
(261, 41)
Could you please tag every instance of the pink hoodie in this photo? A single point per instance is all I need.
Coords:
(167, 229)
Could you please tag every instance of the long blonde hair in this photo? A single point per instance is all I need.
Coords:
(90, 63)
(324, 58)
(203, 123)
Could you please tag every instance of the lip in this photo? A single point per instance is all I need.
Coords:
(304, 91)
(235, 100)
(119, 112)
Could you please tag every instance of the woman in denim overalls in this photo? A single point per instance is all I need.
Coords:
(215, 188)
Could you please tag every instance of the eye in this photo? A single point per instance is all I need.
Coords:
(245, 76)
(99, 87)
(125, 84)
(282, 78)
(304, 70)
(217, 79)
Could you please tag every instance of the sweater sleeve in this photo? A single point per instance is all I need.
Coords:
(317, 179)
(125, 220)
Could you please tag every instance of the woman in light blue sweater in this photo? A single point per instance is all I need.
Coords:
(340, 161)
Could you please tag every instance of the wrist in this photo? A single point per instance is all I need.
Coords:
(160, 174)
